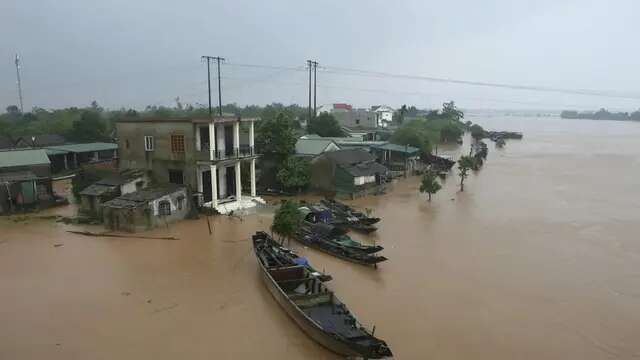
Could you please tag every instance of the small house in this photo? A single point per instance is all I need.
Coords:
(145, 209)
(398, 158)
(128, 181)
(72, 156)
(348, 173)
(25, 180)
(314, 146)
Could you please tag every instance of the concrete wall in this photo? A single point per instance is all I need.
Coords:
(161, 159)
(356, 118)
(147, 217)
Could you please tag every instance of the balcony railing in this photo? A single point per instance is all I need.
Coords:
(242, 152)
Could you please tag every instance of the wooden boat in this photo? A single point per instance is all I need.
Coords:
(314, 307)
(323, 238)
(287, 257)
(354, 225)
(344, 210)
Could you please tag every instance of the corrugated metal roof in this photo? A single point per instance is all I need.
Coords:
(55, 152)
(142, 197)
(80, 148)
(97, 189)
(349, 157)
(365, 169)
(398, 148)
(17, 176)
(23, 158)
(313, 146)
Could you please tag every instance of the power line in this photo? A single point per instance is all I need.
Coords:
(358, 72)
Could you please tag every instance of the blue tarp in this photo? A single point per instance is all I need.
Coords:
(301, 261)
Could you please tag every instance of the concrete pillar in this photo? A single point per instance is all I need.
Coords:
(236, 137)
(214, 187)
(199, 180)
(222, 181)
(75, 160)
(251, 135)
(96, 156)
(212, 141)
(66, 163)
(253, 174)
(198, 144)
(238, 182)
(220, 140)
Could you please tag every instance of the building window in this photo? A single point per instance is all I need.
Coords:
(148, 143)
(357, 121)
(164, 208)
(175, 177)
(177, 143)
(126, 143)
(180, 202)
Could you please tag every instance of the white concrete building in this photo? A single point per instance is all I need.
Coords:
(219, 178)
(384, 115)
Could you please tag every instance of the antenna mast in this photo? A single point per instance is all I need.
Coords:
(19, 83)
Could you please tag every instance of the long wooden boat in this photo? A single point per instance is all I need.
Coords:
(320, 236)
(315, 308)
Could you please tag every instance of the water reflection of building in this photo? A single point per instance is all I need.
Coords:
(205, 154)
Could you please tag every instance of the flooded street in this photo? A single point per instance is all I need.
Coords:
(539, 258)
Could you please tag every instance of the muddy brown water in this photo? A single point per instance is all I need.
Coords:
(538, 259)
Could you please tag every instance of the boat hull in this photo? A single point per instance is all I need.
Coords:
(303, 321)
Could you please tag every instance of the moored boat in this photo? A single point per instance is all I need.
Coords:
(325, 238)
(314, 307)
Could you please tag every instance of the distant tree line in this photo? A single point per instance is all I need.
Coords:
(601, 114)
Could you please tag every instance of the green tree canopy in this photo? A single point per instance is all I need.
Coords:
(477, 132)
(450, 133)
(275, 136)
(286, 220)
(449, 110)
(325, 125)
(430, 184)
(295, 173)
(89, 128)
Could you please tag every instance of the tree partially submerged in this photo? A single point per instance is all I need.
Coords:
(286, 221)
(465, 163)
(295, 173)
(430, 184)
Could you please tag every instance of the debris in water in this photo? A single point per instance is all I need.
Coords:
(125, 293)
(58, 245)
(165, 308)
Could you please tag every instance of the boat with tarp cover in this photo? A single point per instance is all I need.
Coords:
(331, 240)
(313, 306)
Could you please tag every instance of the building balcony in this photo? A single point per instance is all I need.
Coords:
(244, 151)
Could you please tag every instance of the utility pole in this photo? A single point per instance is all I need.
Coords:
(19, 83)
(218, 60)
(312, 65)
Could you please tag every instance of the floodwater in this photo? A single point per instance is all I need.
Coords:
(539, 258)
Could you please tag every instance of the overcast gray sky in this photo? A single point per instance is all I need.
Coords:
(134, 53)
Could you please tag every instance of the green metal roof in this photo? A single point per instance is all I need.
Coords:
(398, 148)
(23, 158)
(55, 152)
(80, 148)
(313, 146)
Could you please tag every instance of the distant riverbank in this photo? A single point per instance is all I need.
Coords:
(601, 114)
